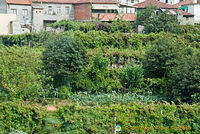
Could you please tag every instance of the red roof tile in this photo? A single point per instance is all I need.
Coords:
(156, 3)
(183, 12)
(19, 2)
(185, 2)
(78, 1)
(57, 1)
(113, 16)
(98, 1)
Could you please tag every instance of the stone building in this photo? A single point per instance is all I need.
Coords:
(50, 11)
(23, 11)
(192, 7)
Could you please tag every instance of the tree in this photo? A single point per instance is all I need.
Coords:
(156, 21)
(185, 77)
(62, 57)
(161, 56)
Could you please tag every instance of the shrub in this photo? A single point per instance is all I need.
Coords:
(185, 77)
(27, 39)
(97, 77)
(162, 56)
(132, 77)
(21, 74)
(132, 117)
(63, 56)
(22, 117)
(156, 21)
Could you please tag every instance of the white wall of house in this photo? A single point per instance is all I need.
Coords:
(172, 2)
(127, 9)
(6, 23)
(194, 9)
(185, 20)
(197, 13)
(105, 6)
(130, 2)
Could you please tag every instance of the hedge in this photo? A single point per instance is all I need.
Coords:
(73, 118)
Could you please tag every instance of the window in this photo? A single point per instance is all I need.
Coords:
(128, 10)
(67, 10)
(25, 12)
(50, 10)
(132, 1)
(132, 10)
(14, 11)
(58, 10)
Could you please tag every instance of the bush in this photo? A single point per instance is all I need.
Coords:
(21, 74)
(132, 77)
(21, 117)
(132, 117)
(157, 21)
(185, 77)
(97, 77)
(63, 56)
(162, 56)
(27, 39)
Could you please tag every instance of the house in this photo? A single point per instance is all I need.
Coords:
(192, 7)
(183, 17)
(6, 25)
(154, 3)
(103, 10)
(50, 11)
(23, 11)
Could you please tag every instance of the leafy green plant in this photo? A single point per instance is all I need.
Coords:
(63, 56)
(156, 21)
(162, 56)
(17, 116)
(21, 74)
(132, 77)
(97, 77)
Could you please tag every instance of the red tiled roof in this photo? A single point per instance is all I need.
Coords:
(78, 1)
(19, 2)
(57, 1)
(156, 3)
(98, 1)
(185, 2)
(183, 12)
(113, 16)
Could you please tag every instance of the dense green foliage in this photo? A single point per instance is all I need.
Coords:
(21, 74)
(63, 56)
(27, 39)
(161, 56)
(132, 77)
(93, 71)
(20, 116)
(73, 118)
(98, 77)
(115, 26)
(156, 21)
(185, 78)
